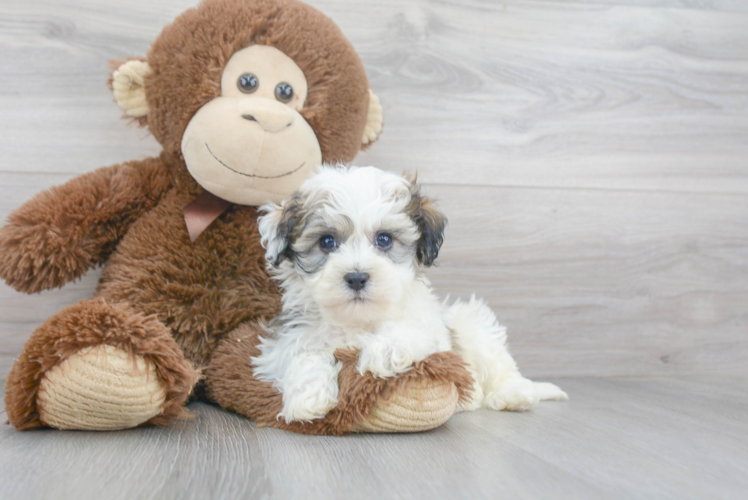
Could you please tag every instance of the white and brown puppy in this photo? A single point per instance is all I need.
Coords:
(349, 249)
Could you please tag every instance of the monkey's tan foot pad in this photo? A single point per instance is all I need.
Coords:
(100, 388)
(422, 405)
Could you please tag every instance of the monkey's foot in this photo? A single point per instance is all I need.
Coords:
(98, 366)
(100, 388)
(422, 405)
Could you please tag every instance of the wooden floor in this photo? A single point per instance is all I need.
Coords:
(592, 157)
(633, 438)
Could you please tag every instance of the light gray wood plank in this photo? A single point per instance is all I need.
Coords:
(647, 438)
(720, 5)
(564, 94)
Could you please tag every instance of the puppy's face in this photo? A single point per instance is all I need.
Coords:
(352, 241)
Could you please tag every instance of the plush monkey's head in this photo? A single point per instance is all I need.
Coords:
(254, 94)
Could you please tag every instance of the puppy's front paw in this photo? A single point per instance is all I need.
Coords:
(514, 394)
(309, 384)
(384, 358)
(308, 400)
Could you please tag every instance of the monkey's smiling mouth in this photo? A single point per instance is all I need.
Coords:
(253, 175)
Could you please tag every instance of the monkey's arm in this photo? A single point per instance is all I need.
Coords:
(64, 231)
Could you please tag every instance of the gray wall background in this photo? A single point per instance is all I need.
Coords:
(592, 157)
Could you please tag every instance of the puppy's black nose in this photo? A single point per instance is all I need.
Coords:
(356, 281)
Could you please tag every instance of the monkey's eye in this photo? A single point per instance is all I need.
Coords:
(328, 243)
(384, 241)
(248, 83)
(283, 92)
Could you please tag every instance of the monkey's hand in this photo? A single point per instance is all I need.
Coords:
(61, 233)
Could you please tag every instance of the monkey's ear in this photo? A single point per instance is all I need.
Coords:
(431, 224)
(374, 121)
(276, 228)
(128, 87)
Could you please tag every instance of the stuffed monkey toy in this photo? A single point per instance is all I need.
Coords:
(246, 98)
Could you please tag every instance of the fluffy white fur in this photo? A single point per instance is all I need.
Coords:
(395, 320)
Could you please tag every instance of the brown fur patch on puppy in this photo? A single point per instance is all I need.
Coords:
(430, 221)
(230, 382)
(91, 323)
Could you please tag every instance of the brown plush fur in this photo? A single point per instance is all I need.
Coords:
(61, 233)
(201, 290)
(161, 296)
(91, 323)
(231, 384)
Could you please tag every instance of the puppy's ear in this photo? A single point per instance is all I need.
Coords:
(276, 229)
(431, 224)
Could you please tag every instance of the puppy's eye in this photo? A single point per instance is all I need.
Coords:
(384, 241)
(328, 243)
(248, 83)
(283, 92)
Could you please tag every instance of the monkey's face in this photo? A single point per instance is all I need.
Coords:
(250, 144)
(249, 100)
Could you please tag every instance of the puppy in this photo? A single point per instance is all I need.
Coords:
(349, 250)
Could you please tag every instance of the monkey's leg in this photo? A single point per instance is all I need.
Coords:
(421, 399)
(98, 366)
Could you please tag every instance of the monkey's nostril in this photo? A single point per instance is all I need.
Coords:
(356, 281)
(272, 117)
